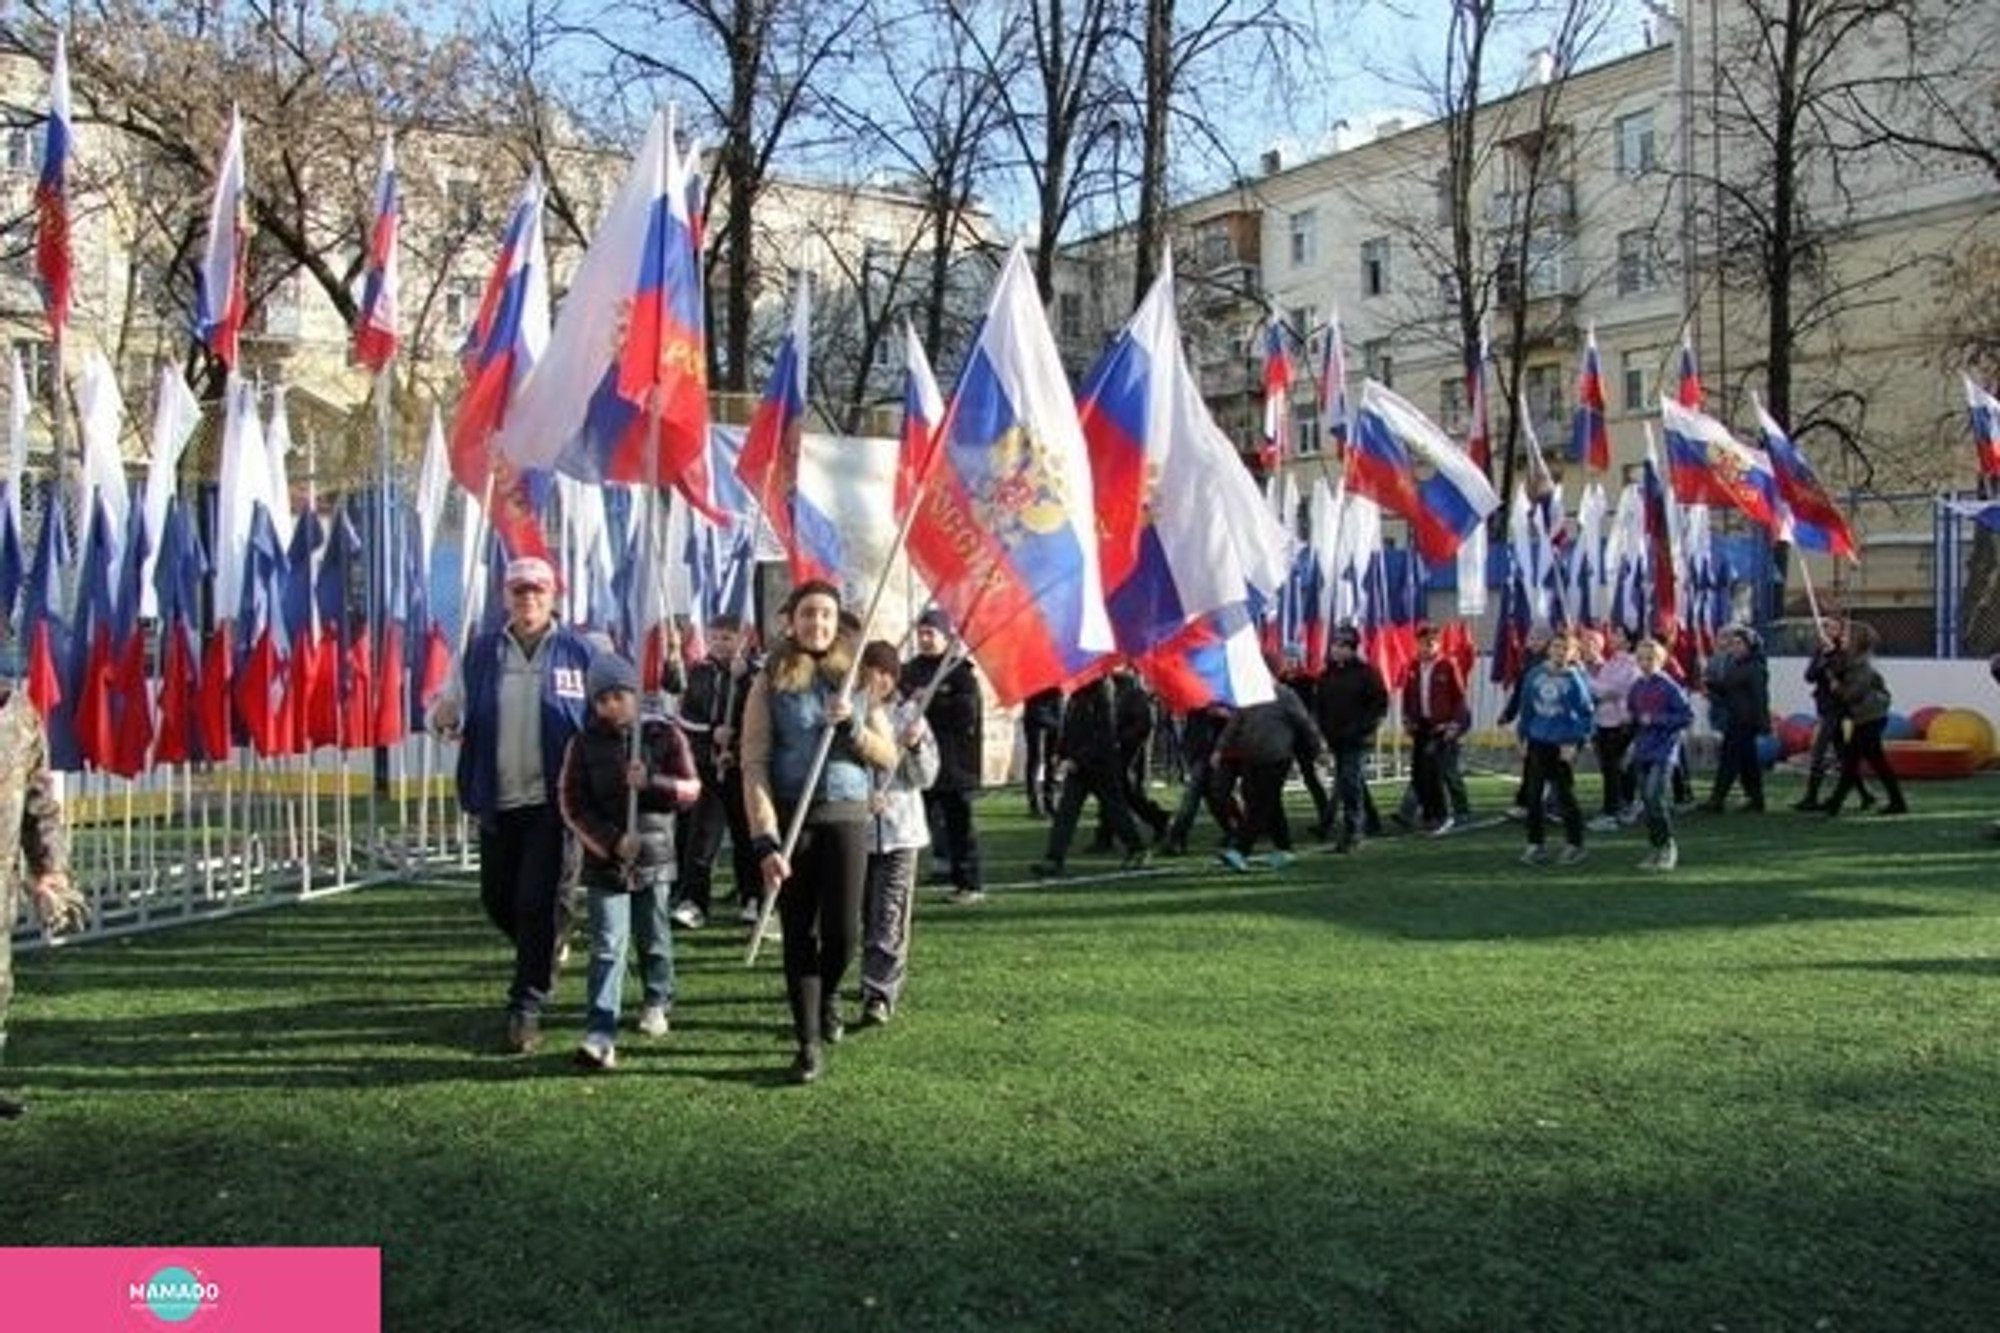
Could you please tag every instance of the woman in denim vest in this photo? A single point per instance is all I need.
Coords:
(798, 698)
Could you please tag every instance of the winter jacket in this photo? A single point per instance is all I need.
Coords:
(1739, 691)
(1864, 695)
(899, 802)
(562, 656)
(594, 796)
(957, 714)
(1446, 706)
(1661, 712)
(1349, 703)
(1270, 733)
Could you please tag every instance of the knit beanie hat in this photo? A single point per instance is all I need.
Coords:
(609, 671)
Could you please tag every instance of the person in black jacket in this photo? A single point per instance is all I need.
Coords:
(1088, 750)
(956, 712)
(1738, 681)
(1199, 731)
(618, 795)
(1829, 743)
(710, 705)
(1041, 725)
(1350, 702)
(1259, 745)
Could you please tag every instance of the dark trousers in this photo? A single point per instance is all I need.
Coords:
(1736, 761)
(1264, 807)
(1427, 760)
(520, 865)
(1107, 784)
(720, 810)
(1204, 787)
(820, 910)
(1549, 773)
(950, 812)
(1038, 741)
(1347, 814)
(1864, 746)
(1611, 743)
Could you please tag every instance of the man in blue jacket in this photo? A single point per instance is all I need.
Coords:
(515, 700)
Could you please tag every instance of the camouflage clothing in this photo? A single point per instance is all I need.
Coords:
(31, 822)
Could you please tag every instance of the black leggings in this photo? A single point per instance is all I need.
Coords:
(1864, 745)
(820, 909)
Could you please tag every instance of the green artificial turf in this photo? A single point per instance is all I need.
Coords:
(1420, 1087)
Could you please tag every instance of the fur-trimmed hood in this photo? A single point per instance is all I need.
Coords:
(791, 668)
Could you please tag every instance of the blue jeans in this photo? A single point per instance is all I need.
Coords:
(1656, 780)
(615, 918)
(1350, 793)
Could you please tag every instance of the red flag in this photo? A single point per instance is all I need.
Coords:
(376, 328)
(212, 709)
(53, 261)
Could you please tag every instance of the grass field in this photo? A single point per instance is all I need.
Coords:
(1417, 1088)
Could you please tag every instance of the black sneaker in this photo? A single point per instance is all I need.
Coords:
(11, 1109)
(832, 1027)
(807, 1064)
(1047, 870)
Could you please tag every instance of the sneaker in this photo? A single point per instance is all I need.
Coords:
(1534, 855)
(1650, 861)
(1603, 824)
(596, 1052)
(524, 1033)
(807, 1064)
(876, 1013)
(653, 1020)
(747, 914)
(1669, 856)
(1047, 870)
(1892, 808)
(1443, 826)
(1515, 813)
(11, 1109)
(832, 1027)
(1234, 859)
(1570, 854)
(967, 897)
(1279, 860)
(689, 916)
(1135, 859)
(1632, 814)
(1806, 805)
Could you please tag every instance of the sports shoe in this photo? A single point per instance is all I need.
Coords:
(1047, 870)
(1534, 855)
(524, 1033)
(1515, 813)
(1279, 860)
(832, 1027)
(653, 1021)
(1603, 824)
(968, 897)
(876, 1012)
(596, 1052)
(11, 1109)
(1669, 856)
(1443, 826)
(1650, 861)
(1135, 859)
(1570, 854)
(689, 916)
(807, 1064)
(747, 914)
(1234, 859)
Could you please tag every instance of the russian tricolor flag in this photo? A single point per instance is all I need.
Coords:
(1277, 392)
(1336, 417)
(1215, 659)
(1816, 522)
(923, 412)
(1688, 392)
(769, 463)
(1390, 436)
(219, 300)
(1708, 465)
(376, 330)
(53, 262)
(1590, 439)
(1985, 409)
(1006, 534)
(1479, 433)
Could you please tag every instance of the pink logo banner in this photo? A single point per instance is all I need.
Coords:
(198, 1288)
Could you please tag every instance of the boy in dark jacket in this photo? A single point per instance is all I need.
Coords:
(1260, 744)
(1350, 702)
(619, 800)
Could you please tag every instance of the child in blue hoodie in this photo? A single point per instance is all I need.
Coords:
(1557, 716)
(1660, 711)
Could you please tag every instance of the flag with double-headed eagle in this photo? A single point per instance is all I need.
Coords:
(1005, 534)
(1708, 465)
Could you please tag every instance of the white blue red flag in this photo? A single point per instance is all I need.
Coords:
(1985, 410)
(769, 463)
(622, 392)
(1391, 436)
(1708, 465)
(219, 300)
(1479, 430)
(1181, 528)
(923, 412)
(1816, 521)
(1277, 392)
(53, 261)
(376, 329)
(1590, 436)
(507, 338)
(1214, 659)
(1006, 531)
(1688, 391)
(1336, 415)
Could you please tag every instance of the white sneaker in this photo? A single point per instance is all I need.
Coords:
(1670, 856)
(1444, 826)
(1651, 861)
(597, 1053)
(653, 1021)
(1535, 855)
(689, 916)
(1570, 854)
(1603, 824)
(747, 914)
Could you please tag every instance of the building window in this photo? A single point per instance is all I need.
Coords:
(1305, 431)
(19, 147)
(1378, 362)
(461, 303)
(1069, 316)
(1635, 263)
(1635, 142)
(1452, 413)
(1448, 292)
(1305, 237)
(1548, 264)
(463, 204)
(1543, 386)
(1375, 267)
(1635, 395)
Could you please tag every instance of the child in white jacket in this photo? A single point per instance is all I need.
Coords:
(898, 833)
